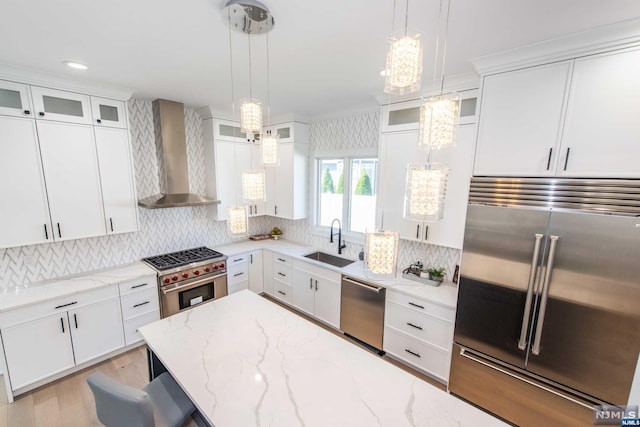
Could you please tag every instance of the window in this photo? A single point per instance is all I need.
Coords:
(346, 189)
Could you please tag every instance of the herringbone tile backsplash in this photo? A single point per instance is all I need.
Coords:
(166, 230)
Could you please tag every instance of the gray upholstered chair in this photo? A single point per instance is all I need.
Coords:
(161, 403)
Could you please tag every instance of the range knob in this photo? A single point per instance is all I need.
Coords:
(222, 265)
(185, 275)
(167, 280)
(174, 278)
(197, 272)
(215, 267)
(207, 269)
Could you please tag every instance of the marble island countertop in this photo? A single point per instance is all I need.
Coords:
(23, 295)
(245, 361)
(445, 294)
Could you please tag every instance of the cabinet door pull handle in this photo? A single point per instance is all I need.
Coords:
(238, 274)
(426, 232)
(250, 210)
(310, 283)
(549, 159)
(142, 303)
(282, 274)
(111, 223)
(276, 209)
(418, 231)
(27, 112)
(75, 320)
(416, 305)
(283, 293)
(62, 324)
(316, 286)
(98, 120)
(59, 232)
(237, 259)
(414, 326)
(46, 233)
(251, 258)
(41, 113)
(255, 209)
(66, 305)
(566, 159)
(139, 286)
(283, 260)
(412, 352)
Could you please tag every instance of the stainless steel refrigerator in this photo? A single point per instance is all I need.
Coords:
(548, 316)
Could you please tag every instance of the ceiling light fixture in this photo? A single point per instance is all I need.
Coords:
(425, 191)
(75, 65)
(403, 72)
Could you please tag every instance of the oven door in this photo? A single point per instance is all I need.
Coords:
(183, 296)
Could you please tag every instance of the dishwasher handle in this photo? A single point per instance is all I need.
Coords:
(371, 288)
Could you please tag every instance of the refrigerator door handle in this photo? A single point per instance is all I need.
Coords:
(535, 349)
(522, 342)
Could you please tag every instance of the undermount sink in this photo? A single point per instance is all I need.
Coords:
(329, 259)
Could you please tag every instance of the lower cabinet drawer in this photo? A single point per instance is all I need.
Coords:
(131, 334)
(237, 287)
(426, 328)
(137, 303)
(283, 291)
(237, 273)
(429, 359)
(447, 314)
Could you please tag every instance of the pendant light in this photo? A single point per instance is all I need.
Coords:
(403, 71)
(426, 187)
(250, 108)
(381, 252)
(269, 140)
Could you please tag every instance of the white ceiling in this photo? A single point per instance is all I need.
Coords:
(325, 55)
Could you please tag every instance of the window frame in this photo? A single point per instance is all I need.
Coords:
(347, 156)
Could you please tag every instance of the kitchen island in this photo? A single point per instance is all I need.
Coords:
(246, 361)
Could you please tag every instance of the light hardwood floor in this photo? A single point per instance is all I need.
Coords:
(68, 402)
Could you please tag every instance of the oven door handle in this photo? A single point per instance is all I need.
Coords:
(191, 284)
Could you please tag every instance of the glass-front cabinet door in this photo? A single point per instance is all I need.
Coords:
(14, 99)
(108, 112)
(61, 106)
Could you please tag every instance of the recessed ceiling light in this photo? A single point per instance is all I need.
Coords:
(76, 65)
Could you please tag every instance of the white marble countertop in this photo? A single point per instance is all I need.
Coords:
(445, 294)
(23, 295)
(245, 361)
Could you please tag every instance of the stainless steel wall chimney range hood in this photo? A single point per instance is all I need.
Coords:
(171, 148)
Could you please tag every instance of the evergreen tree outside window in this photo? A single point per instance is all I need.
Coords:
(327, 182)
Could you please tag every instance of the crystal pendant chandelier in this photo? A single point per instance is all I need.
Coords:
(237, 221)
(253, 186)
(250, 116)
(425, 191)
(439, 119)
(270, 149)
(381, 250)
(403, 71)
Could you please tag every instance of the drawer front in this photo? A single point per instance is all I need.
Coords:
(283, 291)
(138, 303)
(237, 259)
(237, 273)
(426, 328)
(282, 272)
(284, 259)
(142, 283)
(317, 271)
(57, 305)
(131, 334)
(237, 287)
(422, 306)
(429, 359)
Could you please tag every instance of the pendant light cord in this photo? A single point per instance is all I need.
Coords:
(406, 19)
(233, 108)
(250, 85)
(444, 48)
(268, 87)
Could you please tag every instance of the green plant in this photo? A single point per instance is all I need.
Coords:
(276, 231)
(363, 187)
(436, 272)
(340, 187)
(327, 182)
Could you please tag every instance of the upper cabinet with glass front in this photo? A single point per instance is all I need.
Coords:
(226, 130)
(14, 99)
(61, 106)
(108, 113)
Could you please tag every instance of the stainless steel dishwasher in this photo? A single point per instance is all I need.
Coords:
(362, 311)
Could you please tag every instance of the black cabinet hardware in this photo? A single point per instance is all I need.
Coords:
(250, 210)
(282, 274)
(414, 326)
(59, 232)
(316, 286)
(142, 303)
(41, 113)
(283, 293)
(280, 259)
(111, 223)
(251, 258)
(238, 274)
(310, 283)
(411, 352)
(549, 159)
(139, 286)
(46, 233)
(27, 112)
(426, 232)
(418, 231)
(566, 159)
(416, 305)
(98, 120)
(237, 259)
(75, 320)
(66, 305)
(62, 324)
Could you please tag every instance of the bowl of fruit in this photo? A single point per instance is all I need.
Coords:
(276, 233)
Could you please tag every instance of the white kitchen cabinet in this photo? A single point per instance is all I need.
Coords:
(399, 149)
(237, 273)
(24, 215)
(37, 349)
(520, 121)
(62, 106)
(15, 99)
(286, 184)
(256, 276)
(72, 178)
(316, 291)
(96, 330)
(227, 130)
(116, 177)
(140, 306)
(248, 158)
(267, 270)
(601, 128)
(109, 112)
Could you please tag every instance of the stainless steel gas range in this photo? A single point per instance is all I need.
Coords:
(189, 278)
